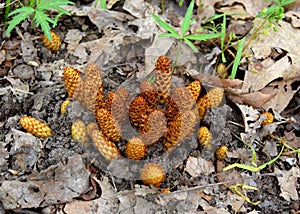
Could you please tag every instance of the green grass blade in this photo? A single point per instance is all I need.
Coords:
(202, 37)
(238, 57)
(187, 19)
(165, 25)
(223, 35)
(192, 46)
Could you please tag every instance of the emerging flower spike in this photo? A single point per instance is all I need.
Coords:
(162, 63)
(180, 101)
(92, 86)
(153, 174)
(212, 99)
(146, 85)
(152, 98)
(194, 88)
(64, 106)
(91, 127)
(71, 78)
(136, 148)
(221, 153)
(35, 127)
(204, 136)
(110, 127)
(138, 111)
(269, 118)
(154, 127)
(106, 147)
(55, 44)
(79, 132)
(179, 129)
(215, 96)
(116, 104)
(163, 76)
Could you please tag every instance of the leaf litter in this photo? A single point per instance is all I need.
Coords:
(118, 35)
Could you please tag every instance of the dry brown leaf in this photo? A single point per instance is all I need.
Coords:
(286, 39)
(199, 166)
(242, 9)
(295, 17)
(107, 203)
(255, 99)
(288, 183)
(206, 9)
(285, 93)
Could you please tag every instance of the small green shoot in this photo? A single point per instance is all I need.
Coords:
(236, 188)
(237, 58)
(253, 168)
(275, 12)
(102, 4)
(184, 28)
(38, 9)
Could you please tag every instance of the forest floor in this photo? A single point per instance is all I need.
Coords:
(61, 175)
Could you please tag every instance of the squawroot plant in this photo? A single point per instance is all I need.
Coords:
(36, 10)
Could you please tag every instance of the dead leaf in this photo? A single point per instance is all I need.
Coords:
(285, 92)
(240, 9)
(288, 183)
(138, 8)
(159, 46)
(199, 166)
(107, 203)
(287, 67)
(295, 17)
(250, 115)
(59, 183)
(105, 19)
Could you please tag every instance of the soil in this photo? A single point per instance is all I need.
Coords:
(19, 161)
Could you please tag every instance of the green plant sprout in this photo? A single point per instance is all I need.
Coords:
(237, 58)
(236, 188)
(37, 8)
(187, 20)
(102, 4)
(253, 168)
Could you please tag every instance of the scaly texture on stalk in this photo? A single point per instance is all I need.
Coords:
(215, 96)
(92, 86)
(136, 148)
(71, 79)
(269, 118)
(163, 76)
(35, 127)
(221, 152)
(79, 132)
(204, 136)
(182, 127)
(106, 147)
(64, 106)
(138, 111)
(109, 126)
(194, 88)
(180, 101)
(153, 174)
(212, 99)
(154, 127)
(55, 44)
(152, 99)
(116, 103)
(91, 127)
(146, 85)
